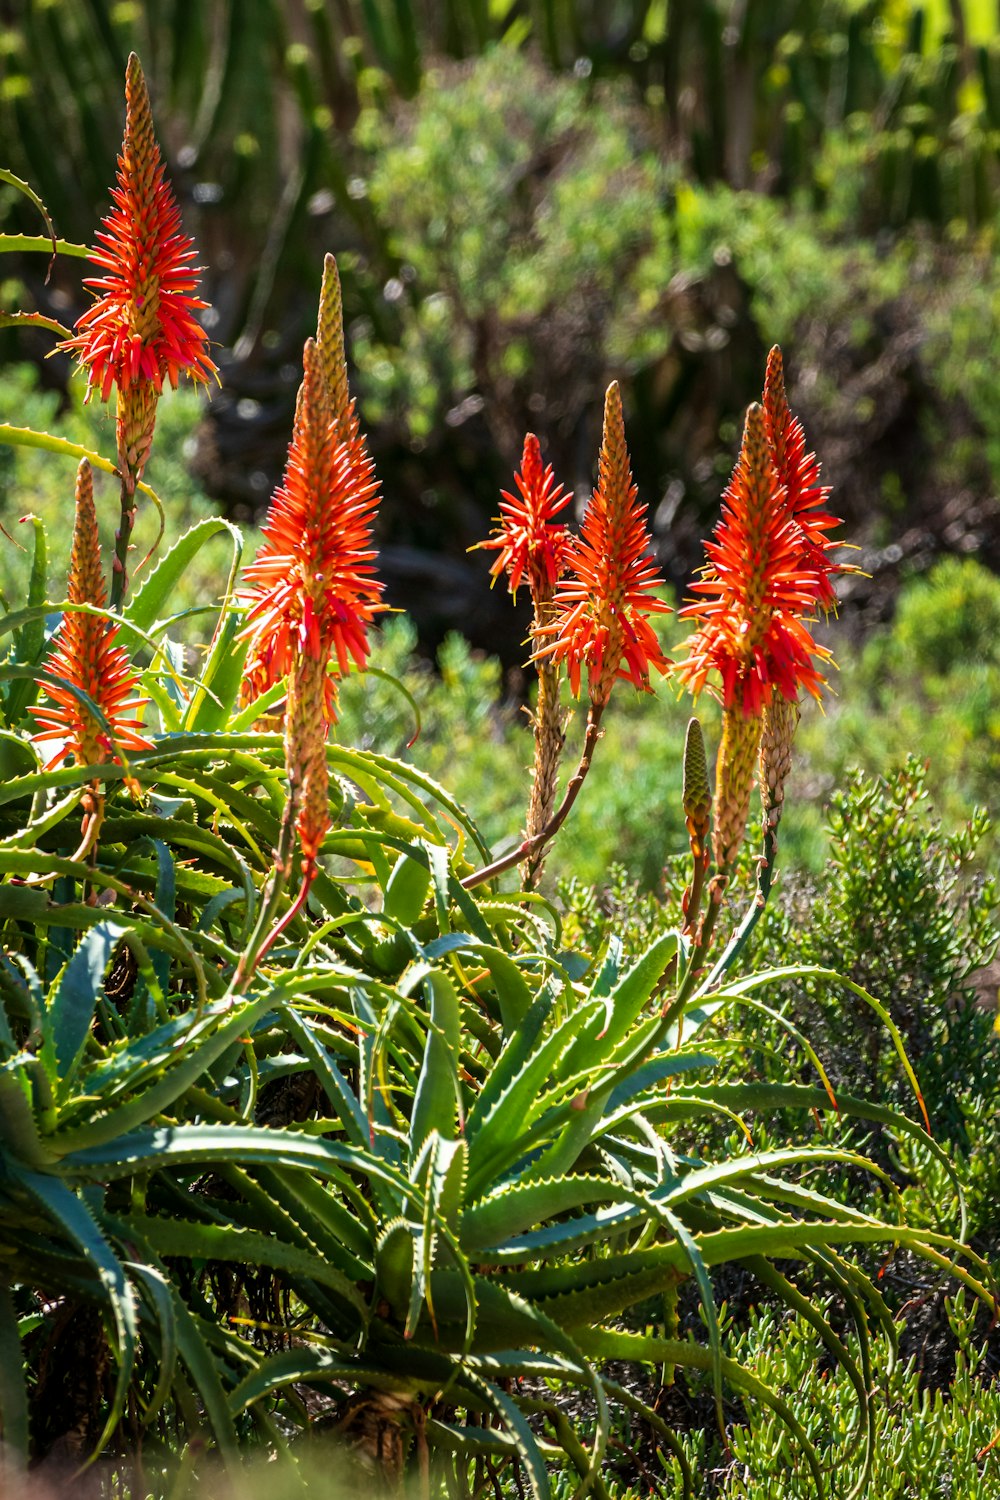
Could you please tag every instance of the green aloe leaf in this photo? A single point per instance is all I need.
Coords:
(234, 1244)
(20, 242)
(207, 1038)
(151, 602)
(790, 1295)
(604, 1344)
(436, 1102)
(194, 1350)
(327, 1070)
(517, 1425)
(407, 889)
(78, 1224)
(27, 437)
(155, 1286)
(514, 995)
(179, 1146)
(73, 1001)
(217, 697)
(511, 1209)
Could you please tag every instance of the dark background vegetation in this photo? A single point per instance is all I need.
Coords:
(528, 198)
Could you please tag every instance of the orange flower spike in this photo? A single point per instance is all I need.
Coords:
(799, 471)
(141, 329)
(84, 656)
(602, 607)
(756, 588)
(313, 589)
(529, 540)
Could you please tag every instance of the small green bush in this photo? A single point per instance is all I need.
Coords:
(530, 220)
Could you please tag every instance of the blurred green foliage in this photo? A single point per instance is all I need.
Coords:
(530, 219)
(929, 684)
(32, 482)
(478, 742)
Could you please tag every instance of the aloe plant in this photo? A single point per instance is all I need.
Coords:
(339, 1111)
(492, 1176)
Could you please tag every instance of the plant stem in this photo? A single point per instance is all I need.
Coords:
(549, 741)
(119, 566)
(265, 932)
(695, 891)
(136, 422)
(702, 944)
(740, 938)
(530, 846)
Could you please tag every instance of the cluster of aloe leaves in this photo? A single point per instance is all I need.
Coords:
(453, 1158)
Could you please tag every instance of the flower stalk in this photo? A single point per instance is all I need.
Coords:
(532, 545)
(87, 709)
(532, 847)
(768, 571)
(598, 619)
(141, 329)
(310, 595)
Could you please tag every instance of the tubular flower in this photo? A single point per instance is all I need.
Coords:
(756, 587)
(313, 590)
(86, 659)
(798, 472)
(529, 540)
(601, 608)
(142, 328)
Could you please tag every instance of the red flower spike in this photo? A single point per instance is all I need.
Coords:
(756, 587)
(313, 588)
(142, 327)
(529, 540)
(798, 471)
(602, 608)
(85, 657)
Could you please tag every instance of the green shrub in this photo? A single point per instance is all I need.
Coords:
(898, 908)
(927, 1443)
(531, 221)
(928, 684)
(948, 621)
